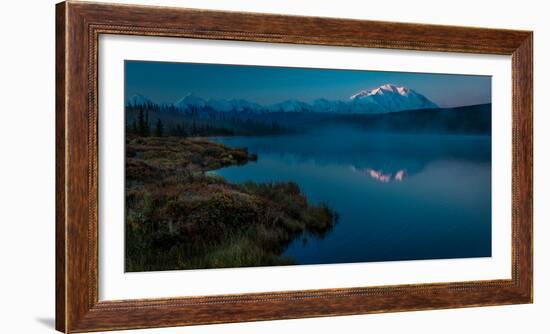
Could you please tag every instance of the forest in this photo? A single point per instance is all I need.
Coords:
(152, 119)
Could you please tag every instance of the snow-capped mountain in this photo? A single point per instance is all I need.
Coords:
(220, 104)
(290, 106)
(324, 105)
(242, 105)
(190, 100)
(389, 98)
(138, 100)
(384, 99)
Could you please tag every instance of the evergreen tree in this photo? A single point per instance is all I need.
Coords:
(176, 130)
(183, 132)
(179, 130)
(147, 128)
(194, 129)
(159, 129)
(141, 123)
(134, 128)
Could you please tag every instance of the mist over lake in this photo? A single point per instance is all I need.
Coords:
(397, 196)
(243, 166)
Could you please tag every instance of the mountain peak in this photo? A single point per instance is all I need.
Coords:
(138, 100)
(388, 98)
(381, 90)
(190, 100)
(291, 105)
(383, 99)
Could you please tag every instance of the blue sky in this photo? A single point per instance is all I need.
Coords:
(165, 82)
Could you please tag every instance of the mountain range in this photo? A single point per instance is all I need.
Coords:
(384, 99)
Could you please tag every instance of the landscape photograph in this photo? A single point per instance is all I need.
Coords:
(231, 166)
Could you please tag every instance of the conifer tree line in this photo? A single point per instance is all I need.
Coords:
(142, 126)
(159, 121)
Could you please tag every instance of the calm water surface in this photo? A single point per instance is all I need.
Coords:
(398, 197)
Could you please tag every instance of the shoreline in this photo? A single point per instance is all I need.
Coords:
(179, 217)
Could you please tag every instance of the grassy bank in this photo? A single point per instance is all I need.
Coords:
(178, 217)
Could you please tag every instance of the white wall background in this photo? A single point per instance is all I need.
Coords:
(27, 70)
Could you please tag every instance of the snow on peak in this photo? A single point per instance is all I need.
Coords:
(387, 88)
(389, 98)
(243, 105)
(138, 100)
(190, 100)
(290, 106)
(383, 99)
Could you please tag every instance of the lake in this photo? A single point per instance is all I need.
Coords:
(398, 196)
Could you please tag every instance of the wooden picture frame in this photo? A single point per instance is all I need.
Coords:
(78, 26)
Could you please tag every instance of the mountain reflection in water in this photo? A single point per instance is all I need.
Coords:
(380, 175)
(406, 197)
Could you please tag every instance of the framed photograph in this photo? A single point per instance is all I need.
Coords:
(223, 166)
